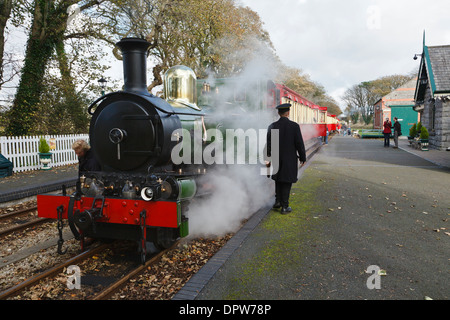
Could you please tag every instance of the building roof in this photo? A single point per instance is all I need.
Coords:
(435, 71)
(402, 96)
(439, 57)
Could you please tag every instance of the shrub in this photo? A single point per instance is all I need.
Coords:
(424, 133)
(43, 146)
(419, 127)
(413, 131)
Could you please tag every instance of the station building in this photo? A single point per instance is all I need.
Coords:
(399, 103)
(432, 94)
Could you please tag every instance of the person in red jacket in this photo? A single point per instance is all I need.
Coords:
(387, 132)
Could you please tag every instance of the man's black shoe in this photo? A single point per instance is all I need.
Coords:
(286, 210)
(277, 205)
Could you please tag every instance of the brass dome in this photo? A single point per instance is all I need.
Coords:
(180, 86)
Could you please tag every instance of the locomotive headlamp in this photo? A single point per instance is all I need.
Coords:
(147, 193)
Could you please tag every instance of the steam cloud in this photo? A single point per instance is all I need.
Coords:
(238, 190)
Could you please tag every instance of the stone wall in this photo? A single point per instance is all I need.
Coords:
(440, 137)
(442, 126)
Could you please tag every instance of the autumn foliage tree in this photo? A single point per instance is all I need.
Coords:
(202, 34)
(63, 59)
(45, 31)
(302, 83)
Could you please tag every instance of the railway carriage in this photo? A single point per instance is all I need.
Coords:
(262, 96)
(310, 117)
(332, 122)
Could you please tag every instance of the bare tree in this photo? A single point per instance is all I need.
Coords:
(362, 97)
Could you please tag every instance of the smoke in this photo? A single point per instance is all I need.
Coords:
(237, 191)
(255, 64)
(309, 131)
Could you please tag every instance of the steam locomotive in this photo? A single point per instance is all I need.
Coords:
(141, 194)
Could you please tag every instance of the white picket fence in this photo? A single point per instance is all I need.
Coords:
(23, 151)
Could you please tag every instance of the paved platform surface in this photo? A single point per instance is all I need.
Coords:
(441, 158)
(30, 183)
(368, 222)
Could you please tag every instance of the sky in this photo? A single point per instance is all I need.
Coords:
(342, 43)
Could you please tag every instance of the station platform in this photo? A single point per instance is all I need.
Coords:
(28, 184)
(368, 223)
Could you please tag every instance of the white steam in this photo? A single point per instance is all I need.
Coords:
(309, 131)
(238, 191)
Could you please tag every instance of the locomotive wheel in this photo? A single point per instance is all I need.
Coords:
(165, 238)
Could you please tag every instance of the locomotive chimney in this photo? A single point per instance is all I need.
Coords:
(134, 53)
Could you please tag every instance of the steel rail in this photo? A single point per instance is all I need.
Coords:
(23, 226)
(16, 213)
(50, 272)
(116, 286)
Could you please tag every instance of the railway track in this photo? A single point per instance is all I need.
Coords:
(104, 293)
(17, 213)
(15, 223)
(116, 286)
(48, 273)
(18, 266)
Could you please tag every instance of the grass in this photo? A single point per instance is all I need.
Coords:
(282, 241)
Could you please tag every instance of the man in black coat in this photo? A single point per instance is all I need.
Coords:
(291, 149)
(397, 131)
